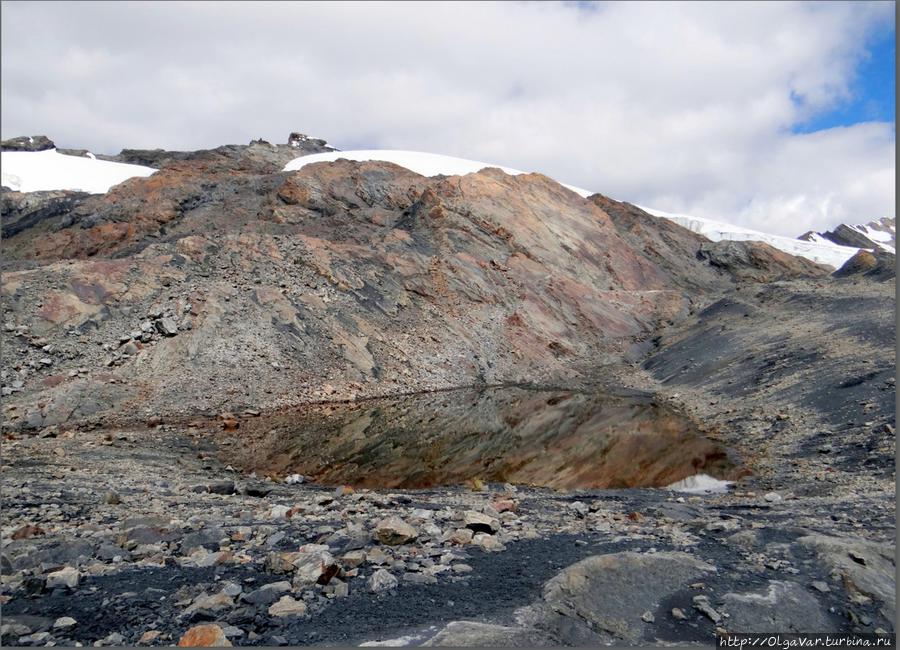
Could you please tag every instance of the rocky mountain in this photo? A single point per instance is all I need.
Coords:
(263, 395)
(879, 234)
(220, 270)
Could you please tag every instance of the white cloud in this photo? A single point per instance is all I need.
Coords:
(687, 107)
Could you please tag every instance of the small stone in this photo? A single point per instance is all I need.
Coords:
(112, 498)
(64, 622)
(678, 614)
(67, 577)
(820, 585)
(287, 606)
(27, 531)
(208, 606)
(294, 479)
(267, 594)
(393, 531)
(460, 537)
(505, 505)
(166, 327)
(343, 490)
(37, 638)
(419, 579)
(701, 604)
(353, 559)
(579, 508)
(278, 512)
(648, 617)
(772, 497)
(488, 542)
(149, 637)
(258, 490)
(341, 590)
(209, 635)
(479, 522)
(315, 565)
(382, 581)
(113, 638)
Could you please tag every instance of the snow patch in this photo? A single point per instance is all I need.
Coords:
(700, 484)
(35, 171)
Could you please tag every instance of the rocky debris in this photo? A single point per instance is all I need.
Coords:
(208, 635)
(27, 143)
(393, 531)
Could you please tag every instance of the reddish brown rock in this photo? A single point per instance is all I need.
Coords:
(204, 636)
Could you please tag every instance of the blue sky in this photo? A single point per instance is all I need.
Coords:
(873, 89)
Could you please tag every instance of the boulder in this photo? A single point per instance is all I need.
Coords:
(393, 531)
(67, 577)
(479, 522)
(287, 606)
(581, 594)
(208, 635)
(382, 581)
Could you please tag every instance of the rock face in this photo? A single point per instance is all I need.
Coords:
(338, 280)
(27, 143)
(878, 265)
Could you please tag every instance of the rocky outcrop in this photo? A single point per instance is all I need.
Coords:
(878, 265)
(757, 261)
(27, 143)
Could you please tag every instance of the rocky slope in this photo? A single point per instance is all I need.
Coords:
(221, 283)
(164, 340)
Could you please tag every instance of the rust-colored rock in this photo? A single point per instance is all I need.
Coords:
(208, 635)
(26, 531)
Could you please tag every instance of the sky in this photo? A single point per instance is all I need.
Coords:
(771, 115)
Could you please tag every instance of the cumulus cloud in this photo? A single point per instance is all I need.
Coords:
(685, 107)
